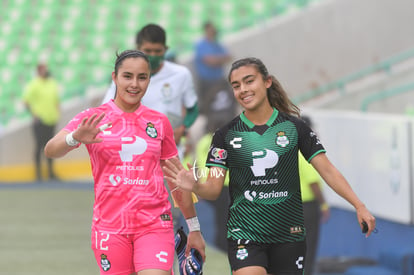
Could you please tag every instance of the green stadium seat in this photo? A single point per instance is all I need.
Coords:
(79, 38)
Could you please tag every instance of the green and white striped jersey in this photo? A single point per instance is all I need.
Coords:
(266, 203)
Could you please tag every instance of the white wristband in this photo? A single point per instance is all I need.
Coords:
(70, 141)
(193, 224)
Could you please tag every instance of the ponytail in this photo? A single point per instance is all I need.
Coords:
(279, 99)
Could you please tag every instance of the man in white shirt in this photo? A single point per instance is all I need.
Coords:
(171, 89)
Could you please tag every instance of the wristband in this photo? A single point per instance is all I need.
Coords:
(70, 141)
(193, 224)
(324, 206)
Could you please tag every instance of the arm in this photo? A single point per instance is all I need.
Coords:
(86, 133)
(190, 116)
(340, 185)
(185, 202)
(184, 179)
(216, 60)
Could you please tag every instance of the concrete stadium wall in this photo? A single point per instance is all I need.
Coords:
(327, 40)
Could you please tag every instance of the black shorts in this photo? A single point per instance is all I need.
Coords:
(276, 258)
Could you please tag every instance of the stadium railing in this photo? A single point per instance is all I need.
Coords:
(340, 84)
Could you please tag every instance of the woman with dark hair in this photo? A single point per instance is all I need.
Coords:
(259, 148)
(128, 143)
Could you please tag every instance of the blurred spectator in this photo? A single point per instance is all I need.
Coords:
(41, 97)
(315, 208)
(215, 94)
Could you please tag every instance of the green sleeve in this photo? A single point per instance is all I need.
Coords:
(190, 116)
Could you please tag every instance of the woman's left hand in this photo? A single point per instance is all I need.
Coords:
(180, 177)
(195, 240)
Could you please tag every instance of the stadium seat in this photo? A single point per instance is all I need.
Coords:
(76, 35)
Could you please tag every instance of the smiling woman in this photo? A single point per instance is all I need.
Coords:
(259, 149)
(132, 218)
(131, 77)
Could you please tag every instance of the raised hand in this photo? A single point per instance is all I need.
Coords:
(88, 130)
(178, 175)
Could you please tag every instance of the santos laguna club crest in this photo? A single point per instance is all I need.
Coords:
(242, 252)
(281, 139)
(151, 131)
(105, 264)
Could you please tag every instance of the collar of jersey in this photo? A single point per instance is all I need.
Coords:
(268, 123)
(119, 111)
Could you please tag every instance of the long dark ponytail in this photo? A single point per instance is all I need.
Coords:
(277, 96)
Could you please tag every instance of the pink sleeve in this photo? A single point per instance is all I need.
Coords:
(168, 147)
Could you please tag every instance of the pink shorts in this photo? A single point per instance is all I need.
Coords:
(129, 253)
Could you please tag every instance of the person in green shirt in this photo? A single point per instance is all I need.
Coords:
(41, 97)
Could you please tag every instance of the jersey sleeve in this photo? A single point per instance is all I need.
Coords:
(309, 143)
(168, 147)
(217, 154)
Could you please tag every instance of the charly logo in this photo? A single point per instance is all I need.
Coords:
(105, 263)
(250, 195)
(132, 146)
(263, 160)
(161, 256)
(314, 136)
(299, 262)
(114, 180)
(234, 142)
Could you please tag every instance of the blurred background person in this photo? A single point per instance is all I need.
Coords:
(315, 208)
(41, 97)
(210, 60)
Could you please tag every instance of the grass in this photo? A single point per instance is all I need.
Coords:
(45, 229)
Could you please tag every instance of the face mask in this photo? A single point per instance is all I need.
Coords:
(155, 61)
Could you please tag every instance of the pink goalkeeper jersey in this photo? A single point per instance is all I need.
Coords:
(130, 196)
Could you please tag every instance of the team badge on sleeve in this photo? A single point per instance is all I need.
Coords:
(151, 131)
(105, 263)
(281, 139)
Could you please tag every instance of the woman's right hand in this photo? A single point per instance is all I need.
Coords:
(87, 131)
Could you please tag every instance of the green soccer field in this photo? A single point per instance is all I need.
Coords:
(45, 230)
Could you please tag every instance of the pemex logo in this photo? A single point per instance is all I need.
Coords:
(132, 146)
